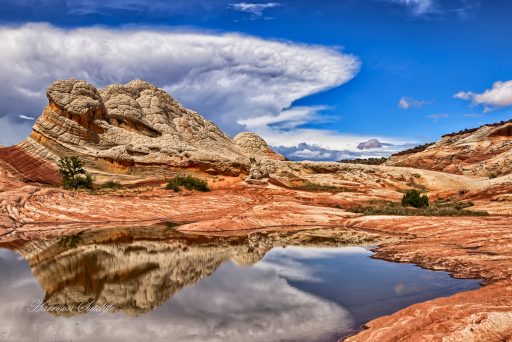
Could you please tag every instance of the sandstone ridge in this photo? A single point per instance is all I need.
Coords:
(135, 128)
(483, 151)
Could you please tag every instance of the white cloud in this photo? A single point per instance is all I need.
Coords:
(438, 9)
(256, 10)
(408, 103)
(417, 7)
(286, 133)
(500, 95)
(305, 151)
(287, 119)
(25, 117)
(226, 77)
(436, 117)
(327, 139)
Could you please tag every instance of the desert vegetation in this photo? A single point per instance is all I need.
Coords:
(364, 161)
(471, 130)
(73, 174)
(416, 149)
(188, 182)
(113, 185)
(315, 187)
(415, 199)
(415, 204)
(438, 208)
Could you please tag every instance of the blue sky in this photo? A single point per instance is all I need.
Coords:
(335, 73)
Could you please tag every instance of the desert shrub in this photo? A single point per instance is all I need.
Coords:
(415, 149)
(437, 209)
(492, 175)
(111, 185)
(73, 174)
(315, 187)
(188, 182)
(414, 199)
(364, 161)
(173, 186)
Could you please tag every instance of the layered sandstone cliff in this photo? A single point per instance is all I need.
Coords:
(482, 152)
(135, 128)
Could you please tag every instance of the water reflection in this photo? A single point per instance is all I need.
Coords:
(168, 287)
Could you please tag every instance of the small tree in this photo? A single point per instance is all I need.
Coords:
(414, 199)
(73, 174)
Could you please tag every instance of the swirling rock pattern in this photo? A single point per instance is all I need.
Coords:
(125, 128)
(481, 152)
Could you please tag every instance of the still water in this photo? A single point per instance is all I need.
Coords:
(132, 286)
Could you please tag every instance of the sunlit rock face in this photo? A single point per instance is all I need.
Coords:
(136, 270)
(482, 152)
(125, 128)
(253, 145)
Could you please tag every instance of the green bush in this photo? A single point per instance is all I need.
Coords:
(73, 174)
(492, 175)
(414, 199)
(111, 185)
(188, 182)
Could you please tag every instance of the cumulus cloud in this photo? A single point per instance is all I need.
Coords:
(408, 103)
(371, 144)
(287, 119)
(314, 152)
(288, 134)
(256, 10)
(500, 95)
(226, 77)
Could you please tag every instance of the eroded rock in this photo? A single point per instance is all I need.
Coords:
(124, 128)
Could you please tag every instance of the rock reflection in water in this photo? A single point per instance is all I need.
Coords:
(138, 269)
(169, 287)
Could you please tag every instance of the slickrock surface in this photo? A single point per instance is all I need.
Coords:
(26, 167)
(484, 151)
(478, 247)
(234, 205)
(468, 248)
(133, 129)
(481, 315)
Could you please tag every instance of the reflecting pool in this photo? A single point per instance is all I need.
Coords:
(156, 285)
